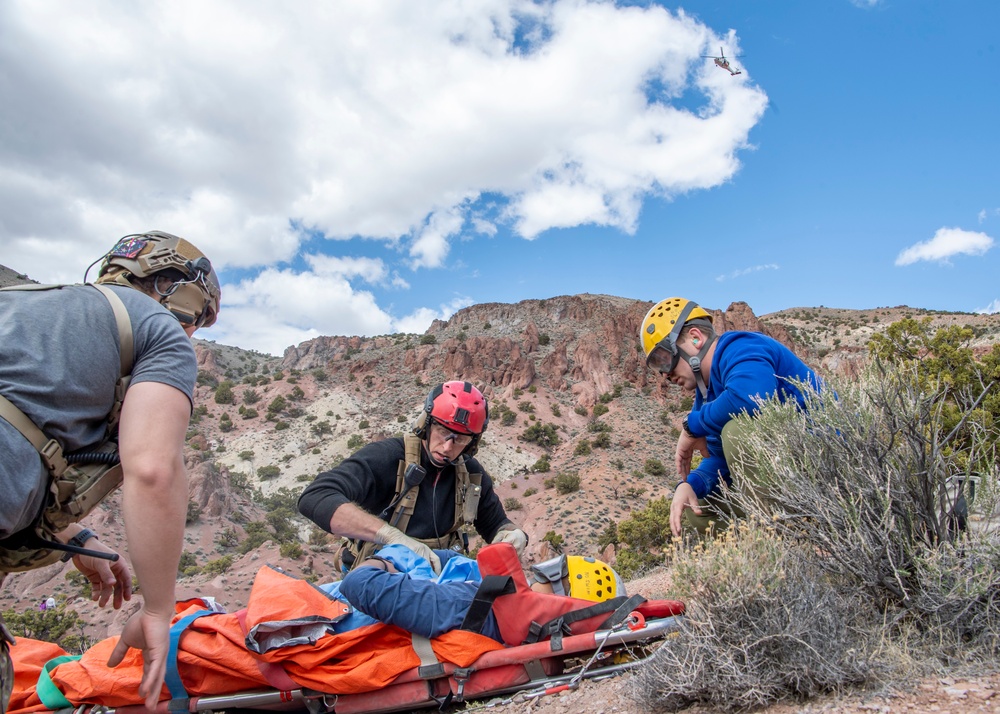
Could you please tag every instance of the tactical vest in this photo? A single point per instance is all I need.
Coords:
(77, 481)
(468, 490)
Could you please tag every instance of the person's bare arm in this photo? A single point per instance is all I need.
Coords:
(352, 521)
(155, 495)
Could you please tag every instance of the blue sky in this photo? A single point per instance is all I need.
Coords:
(366, 168)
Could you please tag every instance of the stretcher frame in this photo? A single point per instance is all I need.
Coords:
(530, 670)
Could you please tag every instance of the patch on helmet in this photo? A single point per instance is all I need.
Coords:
(128, 247)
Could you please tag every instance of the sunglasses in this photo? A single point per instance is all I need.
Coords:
(462, 440)
(662, 360)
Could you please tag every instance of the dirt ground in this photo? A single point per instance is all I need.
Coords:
(942, 696)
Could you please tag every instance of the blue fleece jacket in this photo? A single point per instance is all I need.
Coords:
(745, 366)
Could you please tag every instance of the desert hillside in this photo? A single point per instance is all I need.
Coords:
(567, 366)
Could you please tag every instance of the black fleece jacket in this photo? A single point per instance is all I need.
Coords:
(368, 479)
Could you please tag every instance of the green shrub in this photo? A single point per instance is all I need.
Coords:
(512, 504)
(224, 393)
(554, 539)
(355, 442)
(269, 471)
(600, 409)
(582, 448)
(542, 434)
(567, 482)
(654, 467)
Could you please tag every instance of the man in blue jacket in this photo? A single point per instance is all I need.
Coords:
(728, 374)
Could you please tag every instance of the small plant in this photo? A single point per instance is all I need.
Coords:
(554, 539)
(568, 482)
(654, 467)
(269, 471)
(512, 504)
(355, 442)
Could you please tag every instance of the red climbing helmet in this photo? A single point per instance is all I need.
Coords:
(457, 406)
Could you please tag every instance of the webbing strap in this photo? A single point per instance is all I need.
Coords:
(619, 607)
(430, 667)
(23, 424)
(124, 324)
(172, 678)
(492, 587)
(49, 694)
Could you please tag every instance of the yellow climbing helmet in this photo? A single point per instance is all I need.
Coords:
(592, 579)
(664, 322)
(579, 577)
(193, 293)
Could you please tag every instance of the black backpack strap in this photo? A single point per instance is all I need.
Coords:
(492, 587)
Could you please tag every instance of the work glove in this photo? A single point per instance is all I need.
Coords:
(387, 535)
(515, 536)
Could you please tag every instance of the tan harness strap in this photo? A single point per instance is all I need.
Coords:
(49, 449)
(126, 355)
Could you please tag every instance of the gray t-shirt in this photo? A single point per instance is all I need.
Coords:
(59, 363)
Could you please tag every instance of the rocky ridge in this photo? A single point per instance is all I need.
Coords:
(543, 361)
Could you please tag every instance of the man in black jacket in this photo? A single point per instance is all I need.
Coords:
(421, 490)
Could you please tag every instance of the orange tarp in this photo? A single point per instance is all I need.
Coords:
(213, 658)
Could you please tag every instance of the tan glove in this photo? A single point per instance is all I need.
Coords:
(515, 536)
(387, 535)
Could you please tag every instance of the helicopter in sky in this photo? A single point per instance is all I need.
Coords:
(723, 63)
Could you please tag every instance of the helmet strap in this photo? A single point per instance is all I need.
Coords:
(695, 362)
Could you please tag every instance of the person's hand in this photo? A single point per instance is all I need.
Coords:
(686, 446)
(515, 536)
(387, 535)
(109, 580)
(150, 633)
(684, 497)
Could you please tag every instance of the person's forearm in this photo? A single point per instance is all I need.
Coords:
(352, 521)
(155, 505)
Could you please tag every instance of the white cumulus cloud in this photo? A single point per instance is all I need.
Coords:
(259, 129)
(946, 243)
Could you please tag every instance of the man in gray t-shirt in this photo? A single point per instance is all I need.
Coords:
(59, 365)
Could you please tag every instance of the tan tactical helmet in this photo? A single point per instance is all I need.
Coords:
(193, 295)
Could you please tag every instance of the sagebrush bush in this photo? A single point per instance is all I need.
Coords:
(763, 624)
(854, 560)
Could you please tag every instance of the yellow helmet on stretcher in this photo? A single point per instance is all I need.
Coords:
(580, 577)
